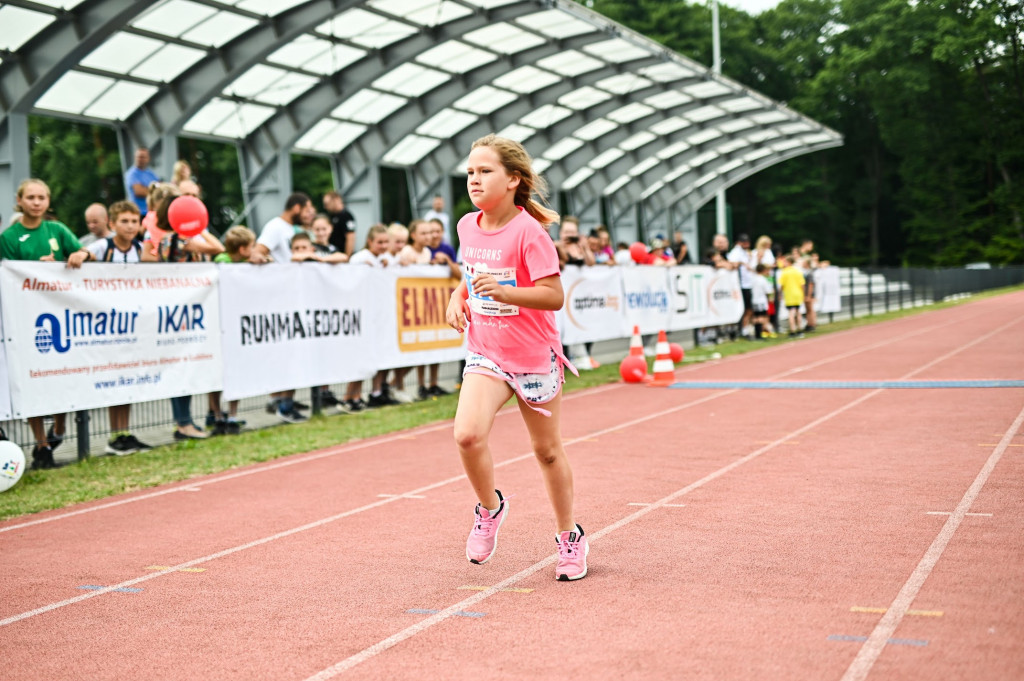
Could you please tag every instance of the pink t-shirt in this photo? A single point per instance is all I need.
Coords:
(518, 339)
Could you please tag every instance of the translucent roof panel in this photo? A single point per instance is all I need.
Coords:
(580, 175)
(570, 63)
(798, 126)
(446, 123)
(616, 185)
(623, 83)
(702, 136)
(638, 140)
(74, 92)
(121, 53)
(411, 150)
(673, 150)
(330, 136)
(118, 102)
(210, 116)
(485, 99)
(644, 166)
(456, 57)
(606, 157)
(490, 4)
(667, 100)
(219, 29)
(741, 104)
(410, 80)
(630, 112)
(708, 88)
(268, 7)
(556, 24)
(562, 148)
(519, 133)
(526, 79)
(583, 98)
(667, 72)
(756, 154)
(243, 120)
(670, 125)
(769, 117)
(20, 26)
(736, 125)
(316, 55)
(505, 38)
(174, 17)
(732, 146)
(423, 12)
(60, 4)
(595, 129)
(545, 116)
(729, 167)
(704, 113)
(617, 50)
(763, 135)
(366, 28)
(369, 106)
(167, 63)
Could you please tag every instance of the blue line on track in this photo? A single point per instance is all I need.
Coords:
(460, 613)
(891, 641)
(828, 385)
(123, 589)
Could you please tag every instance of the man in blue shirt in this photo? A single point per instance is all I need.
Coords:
(138, 178)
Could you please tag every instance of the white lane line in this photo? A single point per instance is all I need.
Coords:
(423, 625)
(886, 627)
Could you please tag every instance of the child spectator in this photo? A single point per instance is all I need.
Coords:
(33, 237)
(321, 232)
(123, 247)
(398, 237)
(238, 243)
(791, 281)
(761, 294)
(417, 251)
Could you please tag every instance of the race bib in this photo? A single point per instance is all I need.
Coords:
(484, 305)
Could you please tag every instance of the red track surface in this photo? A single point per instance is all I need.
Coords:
(779, 525)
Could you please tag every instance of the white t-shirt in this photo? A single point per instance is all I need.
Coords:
(760, 291)
(433, 214)
(410, 255)
(98, 248)
(738, 254)
(277, 237)
(365, 257)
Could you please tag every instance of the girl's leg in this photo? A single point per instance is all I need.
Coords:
(546, 436)
(479, 401)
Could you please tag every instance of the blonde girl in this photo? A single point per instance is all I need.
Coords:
(506, 304)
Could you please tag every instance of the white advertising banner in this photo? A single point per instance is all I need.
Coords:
(108, 334)
(294, 325)
(646, 298)
(826, 290)
(5, 391)
(703, 296)
(593, 308)
(414, 330)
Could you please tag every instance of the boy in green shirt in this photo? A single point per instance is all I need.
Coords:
(33, 238)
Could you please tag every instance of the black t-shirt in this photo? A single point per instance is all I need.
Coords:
(342, 223)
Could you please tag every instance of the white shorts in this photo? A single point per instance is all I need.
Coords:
(533, 388)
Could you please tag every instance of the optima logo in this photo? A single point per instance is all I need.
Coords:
(100, 327)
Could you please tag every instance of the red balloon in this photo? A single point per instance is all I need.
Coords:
(676, 352)
(633, 369)
(188, 216)
(639, 252)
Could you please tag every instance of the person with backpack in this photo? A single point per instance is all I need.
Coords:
(123, 247)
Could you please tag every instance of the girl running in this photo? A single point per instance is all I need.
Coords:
(507, 301)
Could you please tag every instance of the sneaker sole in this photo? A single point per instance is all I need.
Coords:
(494, 548)
(567, 578)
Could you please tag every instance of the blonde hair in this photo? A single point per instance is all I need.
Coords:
(238, 237)
(517, 162)
(32, 180)
(178, 174)
(764, 241)
(158, 191)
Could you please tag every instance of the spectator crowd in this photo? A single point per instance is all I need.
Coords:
(137, 230)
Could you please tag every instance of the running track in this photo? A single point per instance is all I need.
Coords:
(737, 533)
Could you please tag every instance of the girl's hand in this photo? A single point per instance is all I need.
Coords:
(487, 285)
(457, 312)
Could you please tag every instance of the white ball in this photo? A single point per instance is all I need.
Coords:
(12, 464)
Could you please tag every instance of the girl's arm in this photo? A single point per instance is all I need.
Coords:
(458, 308)
(545, 294)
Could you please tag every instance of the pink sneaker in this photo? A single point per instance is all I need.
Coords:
(483, 538)
(572, 555)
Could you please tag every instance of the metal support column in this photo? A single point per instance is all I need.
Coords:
(15, 161)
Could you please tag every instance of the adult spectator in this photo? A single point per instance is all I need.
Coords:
(343, 223)
(658, 254)
(138, 178)
(740, 255)
(123, 246)
(680, 249)
(275, 241)
(97, 222)
(437, 212)
(181, 172)
(34, 238)
(442, 253)
(571, 249)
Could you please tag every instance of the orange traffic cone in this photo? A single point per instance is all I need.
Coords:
(636, 343)
(664, 370)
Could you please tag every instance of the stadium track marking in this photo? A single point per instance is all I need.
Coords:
(523, 457)
(193, 484)
(900, 607)
(880, 634)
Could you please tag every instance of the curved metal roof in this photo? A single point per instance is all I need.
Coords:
(407, 83)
